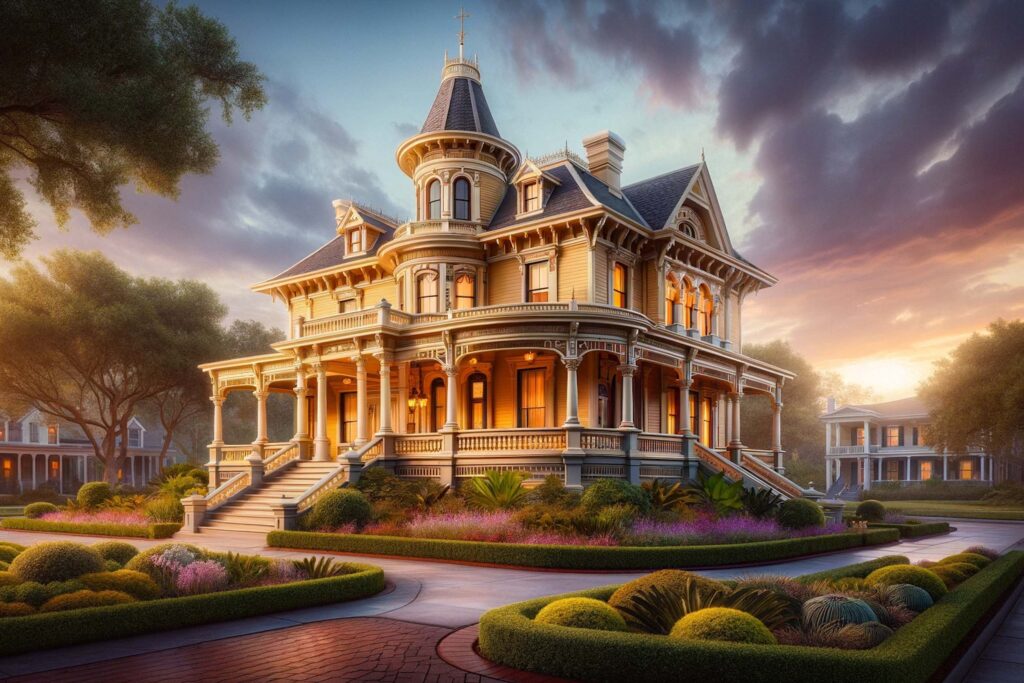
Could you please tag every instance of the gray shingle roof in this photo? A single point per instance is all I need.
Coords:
(333, 253)
(656, 197)
(460, 105)
(564, 198)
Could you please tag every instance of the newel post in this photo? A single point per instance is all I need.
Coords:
(195, 512)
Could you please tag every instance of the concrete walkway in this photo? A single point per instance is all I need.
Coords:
(450, 595)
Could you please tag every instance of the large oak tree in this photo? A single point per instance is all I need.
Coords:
(97, 94)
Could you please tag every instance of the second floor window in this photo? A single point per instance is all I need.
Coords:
(33, 432)
(671, 299)
(464, 291)
(532, 197)
(461, 199)
(858, 436)
(619, 286)
(707, 310)
(537, 281)
(434, 200)
(892, 437)
(355, 241)
(134, 438)
(426, 294)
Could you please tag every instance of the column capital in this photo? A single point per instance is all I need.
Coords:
(450, 369)
(260, 394)
(385, 358)
(360, 362)
(627, 370)
(735, 395)
(572, 363)
(217, 400)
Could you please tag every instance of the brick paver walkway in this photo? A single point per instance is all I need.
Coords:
(361, 649)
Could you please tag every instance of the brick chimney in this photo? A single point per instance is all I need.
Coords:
(604, 157)
(830, 404)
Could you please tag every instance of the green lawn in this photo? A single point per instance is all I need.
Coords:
(959, 509)
(11, 510)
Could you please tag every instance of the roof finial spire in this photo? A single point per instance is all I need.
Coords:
(462, 16)
(702, 154)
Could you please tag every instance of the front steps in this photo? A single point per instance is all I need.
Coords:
(251, 511)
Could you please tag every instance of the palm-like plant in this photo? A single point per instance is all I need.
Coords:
(656, 609)
(714, 491)
(665, 497)
(761, 503)
(429, 494)
(498, 490)
(321, 568)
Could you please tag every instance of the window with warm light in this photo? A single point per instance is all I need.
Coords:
(531, 397)
(438, 399)
(966, 467)
(461, 199)
(671, 299)
(619, 281)
(355, 241)
(892, 470)
(434, 200)
(858, 436)
(3, 432)
(427, 294)
(477, 401)
(689, 304)
(925, 470)
(349, 416)
(532, 197)
(706, 432)
(707, 310)
(347, 306)
(922, 436)
(672, 410)
(892, 437)
(465, 291)
(537, 282)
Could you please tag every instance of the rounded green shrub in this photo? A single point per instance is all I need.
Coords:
(907, 573)
(871, 510)
(32, 593)
(827, 609)
(83, 599)
(61, 587)
(722, 623)
(909, 596)
(979, 561)
(800, 513)
(341, 507)
(581, 613)
(16, 546)
(136, 584)
(4, 566)
(118, 551)
(16, 609)
(56, 561)
(34, 510)
(8, 554)
(605, 492)
(111, 565)
(8, 579)
(672, 580)
(94, 494)
(950, 577)
(865, 635)
(957, 571)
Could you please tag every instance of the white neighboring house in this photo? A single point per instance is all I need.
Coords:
(36, 449)
(895, 449)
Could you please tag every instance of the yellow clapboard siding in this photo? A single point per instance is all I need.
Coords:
(504, 282)
(492, 191)
(600, 256)
(572, 272)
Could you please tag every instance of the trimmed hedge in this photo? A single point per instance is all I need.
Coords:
(162, 530)
(914, 530)
(57, 629)
(577, 556)
(509, 636)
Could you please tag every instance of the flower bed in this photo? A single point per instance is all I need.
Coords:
(513, 636)
(63, 593)
(581, 556)
(141, 530)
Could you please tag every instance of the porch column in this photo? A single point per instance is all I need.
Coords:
(945, 467)
(828, 438)
(867, 437)
(728, 419)
(684, 405)
(218, 419)
(736, 443)
(451, 420)
(17, 463)
(867, 473)
(60, 474)
(677, 314)
(828, 473)
(727, 312)
(261, 415)
(34, 484)
(385, 393)
(777, 433)
(301, 419)
(571, 392)
(692, 322)
(403, 397)
(321, 446)
(878, 473)
(906, 475)
(362, 406)
(627, 396)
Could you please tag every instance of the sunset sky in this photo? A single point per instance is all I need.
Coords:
(868, 154)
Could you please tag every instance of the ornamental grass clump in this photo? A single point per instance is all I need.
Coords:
(498, 490)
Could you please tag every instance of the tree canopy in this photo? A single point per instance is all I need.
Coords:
(976, 395)
(97, 94)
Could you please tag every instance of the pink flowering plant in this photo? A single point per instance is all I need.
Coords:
(201, 576)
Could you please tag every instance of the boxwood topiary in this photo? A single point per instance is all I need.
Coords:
(8, 579)
(4, 566)
(582, 613)
(826, 609)
(16, 609)
(669, 579)
(907, 573)
(909, 596)
(800, 513)
(31, 592)
(955, 572)
(979, 561)
(16, 546)
(56, 561)
(83, 599)
(33, 510)
(8, 554)
(341, 507)
(136, 584)
(118, 551)
(605, 492)
(722, 623)
(94, 494)
(871, 510)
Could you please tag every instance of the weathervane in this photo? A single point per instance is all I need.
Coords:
(462, 16)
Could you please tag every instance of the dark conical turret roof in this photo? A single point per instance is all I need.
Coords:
(460, 105)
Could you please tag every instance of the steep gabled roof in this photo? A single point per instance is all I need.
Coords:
(655, 198)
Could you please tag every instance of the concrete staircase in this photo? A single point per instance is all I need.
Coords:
(251, 511)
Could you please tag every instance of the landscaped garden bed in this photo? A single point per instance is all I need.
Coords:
(64, 593)
(144, 529)
(878, 516)
(881, 620)
(611, 525)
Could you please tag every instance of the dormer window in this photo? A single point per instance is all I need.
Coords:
(461, 200)
(355, 241)
(134, 438)
(688, 230)
(532, 197)
(434, 200)
(51, 434)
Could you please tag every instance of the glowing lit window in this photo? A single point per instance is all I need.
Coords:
(926, 470)
(532, 191)
(619, 286)
(427, 294)
(693, 412)
(966, 468)
(465, 291)
(438, 399)
(671, 299)
(858, 436)
(707, 309)
(673, 412)
(531, 398)
(349, 416)
(706, 424)
(892, 470)
(537, 281)
(477, 401)
(892, 437)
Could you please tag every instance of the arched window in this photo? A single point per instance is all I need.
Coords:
(688, 230)
(477, 391)
(707, 309)
(426, 294)
(461, 208)
(671, 299)
(690, 295)
(438, 405)
(465, 291)
(434, 200)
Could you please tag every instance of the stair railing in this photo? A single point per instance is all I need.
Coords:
(227, 491)
(775, 480)
(335, 478)
(283, 456)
